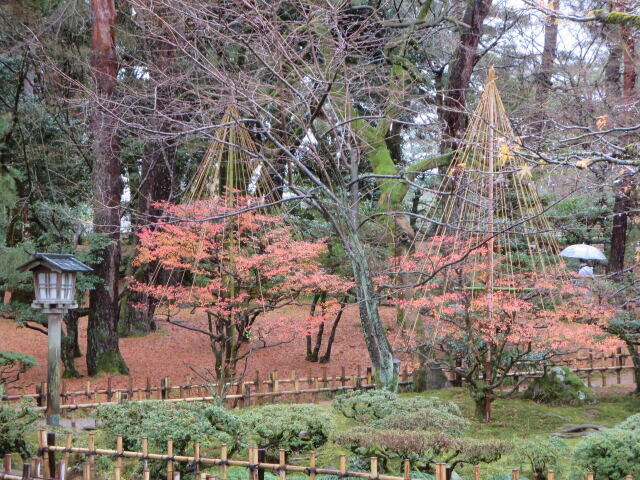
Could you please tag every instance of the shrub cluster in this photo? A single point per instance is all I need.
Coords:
(613, 453)
(15, 423)
(423, 430)
(542, 455)
(296, 428)
(559, 386)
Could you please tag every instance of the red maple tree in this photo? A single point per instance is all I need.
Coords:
(483, 333)
(234, 267)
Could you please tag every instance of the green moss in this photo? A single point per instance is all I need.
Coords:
(112, 362)
(618, 18)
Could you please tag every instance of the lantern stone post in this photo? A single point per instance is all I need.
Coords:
(54, 284)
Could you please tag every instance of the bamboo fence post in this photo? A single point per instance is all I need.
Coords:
(262, 458)
(275, 385)
(61, 471)
(589, 475)
(256, 387)
(551, 475)
(325, 380)
(373, 468)
(282, 466)
(223, 465)
(42, 443)
(476, 472)
(170, 461)
(130, 388)
(343, 467)
(603, 372)
(369, 375)
(438, 475)
(26, 471)
(92, 455)
(294, 387)
(253, 471)
(406, 470)
(310, 386)
(148, 389)
(87, 390)
(51, 440)
(119, 449)
(86, 471)
(246, 394)
(618, 364)
(447, 471)
(196, 458)
(36, 467)
(7, 462)
(515, 474)
(343, 376)
(41, 392)
(63, 392)
(176, 475)
(590, 370)
(316, 387)
(68, 443)
(188, 379)
(145, 454)
(312, 466)
(629, 477)
(109, 388)
(405, 378)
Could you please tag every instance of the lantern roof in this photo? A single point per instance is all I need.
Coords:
(58, 262)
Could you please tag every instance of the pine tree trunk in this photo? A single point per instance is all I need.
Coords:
(622, 203)
(483, 407)
(103, 353)
(454, 103)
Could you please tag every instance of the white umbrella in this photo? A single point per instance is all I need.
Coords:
(584, 252)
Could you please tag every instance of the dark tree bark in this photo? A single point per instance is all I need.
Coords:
(454, 101)
(157, 171)
(103, 353)
(70, 347)
(332, 335)
(549, 50)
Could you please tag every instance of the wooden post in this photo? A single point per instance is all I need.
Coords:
(86, 471)
(170, 461)
(343, 466)
(551, 475)
(476, 472)
(61, 471)
(7, 462)
(262, 458)
(176, 475)
(196, 458)
(589, 476)
(188, 380)
(246, 394)
(26, 471)
(325, 381)
(406, 470)
(312, 466)
(119, 450)
(223, 457)
(603, 372)
(41, 391)
(405, 378)
(369, 376)
(282, 469)
(373, 468)
(343, 376)
(257, 383)
(51, 440)
(42, 443)
(68, 443)
(130, 387)
(92, 456)
(109, 389)
(316, 387)
(253, 460)
(145, 454)
(515, 474)
(148, 389)
(36, 467)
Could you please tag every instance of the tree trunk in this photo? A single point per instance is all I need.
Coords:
(332, 336)
(312, 310)
(545, 71)
(386, 375)
(483, 407)
(454, 104)
(623, 192)
(103, 353)
(70, 347)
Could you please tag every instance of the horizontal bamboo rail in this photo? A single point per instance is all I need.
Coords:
(254, 464)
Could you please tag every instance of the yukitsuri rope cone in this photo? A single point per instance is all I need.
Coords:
(488, 247)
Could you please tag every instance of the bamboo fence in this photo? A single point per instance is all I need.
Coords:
(45, 466)
(298, 389)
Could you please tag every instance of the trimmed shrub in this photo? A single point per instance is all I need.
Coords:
(184, 423)
(426, 419)
(611, 454)
(631, 423)
(13, 365)
(373, 407)
(296, 428)
(15, 423)
(365, 405)
(542, 455)
(559, 386)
